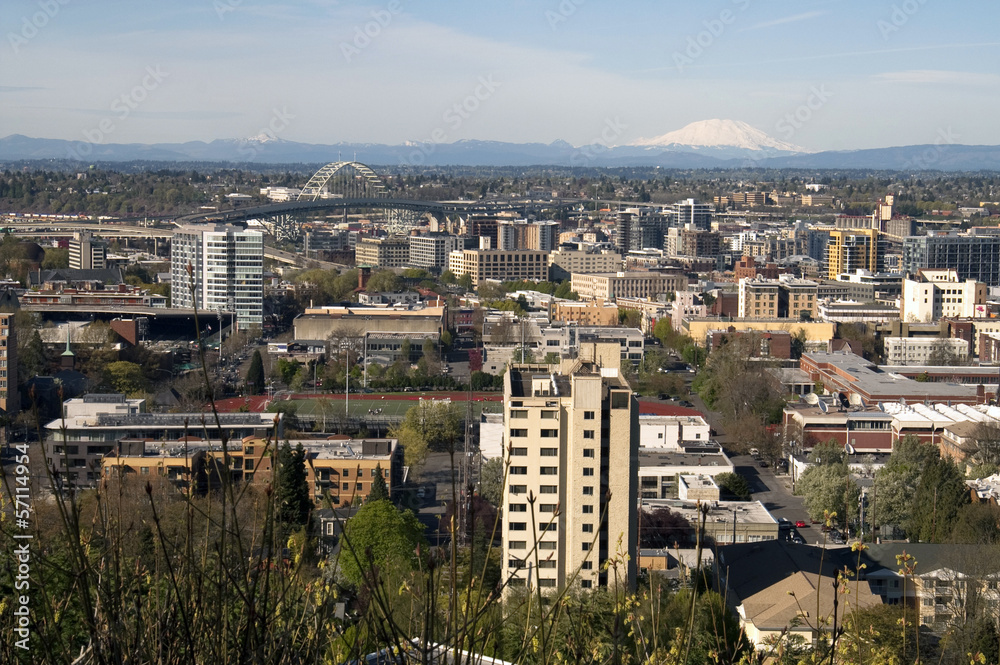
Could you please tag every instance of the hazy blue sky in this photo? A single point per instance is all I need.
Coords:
(820, 74)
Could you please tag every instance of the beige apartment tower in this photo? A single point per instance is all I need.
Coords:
(572, 440)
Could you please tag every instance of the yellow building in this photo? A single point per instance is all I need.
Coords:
(815, 331)
(500, 265)
(850, 250)
(344, 467)
(589, 313)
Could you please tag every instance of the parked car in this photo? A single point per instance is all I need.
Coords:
(686, 403)
(798, 540)
(800, 524)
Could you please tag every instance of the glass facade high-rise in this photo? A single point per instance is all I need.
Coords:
(973, 256)
(227, 270)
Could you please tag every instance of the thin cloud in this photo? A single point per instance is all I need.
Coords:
(937, 77)
(19, 88)
(795, 18)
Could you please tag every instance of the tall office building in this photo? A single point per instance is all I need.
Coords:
(227, 264)
(975, 256)
(691, 212)
(85, 254)
(850, 250)
(572, 441)
(9, 395)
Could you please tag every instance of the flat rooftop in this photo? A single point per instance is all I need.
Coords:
(650, 458)
(859, 375)
(746, 512)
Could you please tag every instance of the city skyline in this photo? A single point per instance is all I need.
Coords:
(823, 75)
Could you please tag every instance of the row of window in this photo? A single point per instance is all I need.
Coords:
(547, 489)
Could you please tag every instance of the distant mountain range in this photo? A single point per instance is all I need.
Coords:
(706, 144)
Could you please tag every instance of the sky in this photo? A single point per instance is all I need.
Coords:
(821, 74)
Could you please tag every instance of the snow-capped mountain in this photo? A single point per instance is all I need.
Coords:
(720, 135)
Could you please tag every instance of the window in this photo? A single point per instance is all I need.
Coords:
(588, 471)
(586, 584)
(588, 434)
(347, 486)
(588, 528)
(518, 413)
(550, 433)
(546, 582)
(359, 486)
(588, 565)
(587, 510)
(588, 491)
(586, 547)
(518, 452)
(514, 489)
(547, 564)
(516, 545)
(552, 526)
(518, 470)
(515, 563)
(619, 399)
(347, 473)
(517, 507)
(546, 545)
(549, 452)
(518, 433)
(547, 508)
(518, 526)
(249, 464)
(588, 452)
(588, 415)
(550, 415)
(549, 470)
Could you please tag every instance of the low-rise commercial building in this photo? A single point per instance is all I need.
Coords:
(500, 265)
(391, 252)
(608, 286)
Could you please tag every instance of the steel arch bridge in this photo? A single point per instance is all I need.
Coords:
(365, 183)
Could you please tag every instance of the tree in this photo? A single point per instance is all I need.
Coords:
(255, 374)
(380, 539)
(384, 281)
(940, 494)
(829, 488)
(734, 484)
(987, 436)
(896, 483)
(287, 369)
(661, 528)
(414, 444)
(379, 490)
(491, 480)
(291, 493)
(126, 378)
(55, 258)
(977, 524)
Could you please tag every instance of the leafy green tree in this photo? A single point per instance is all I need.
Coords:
(735, 484)
(379, 490)
(287, 369)
(977, 524)
(829, 488)
(291, 493)
(126, 378)
(55, 257)
(384, 281)
(896, 483)
(255, 374)
(380, 537)
(940, 495)
(491, 480)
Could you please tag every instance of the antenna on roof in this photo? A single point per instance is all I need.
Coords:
(812, 398)
(881, 407)
(823, 407)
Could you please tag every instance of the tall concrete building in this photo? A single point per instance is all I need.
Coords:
(227, 265)
(689, 211)
(932, 294)
(85, 254)
(975, 256)
(10, 401)
(432, 250)
(850, 250)
(572, 442)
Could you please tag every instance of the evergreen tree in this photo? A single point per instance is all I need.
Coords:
(255, 375)
(292, 491)
(379, 490)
